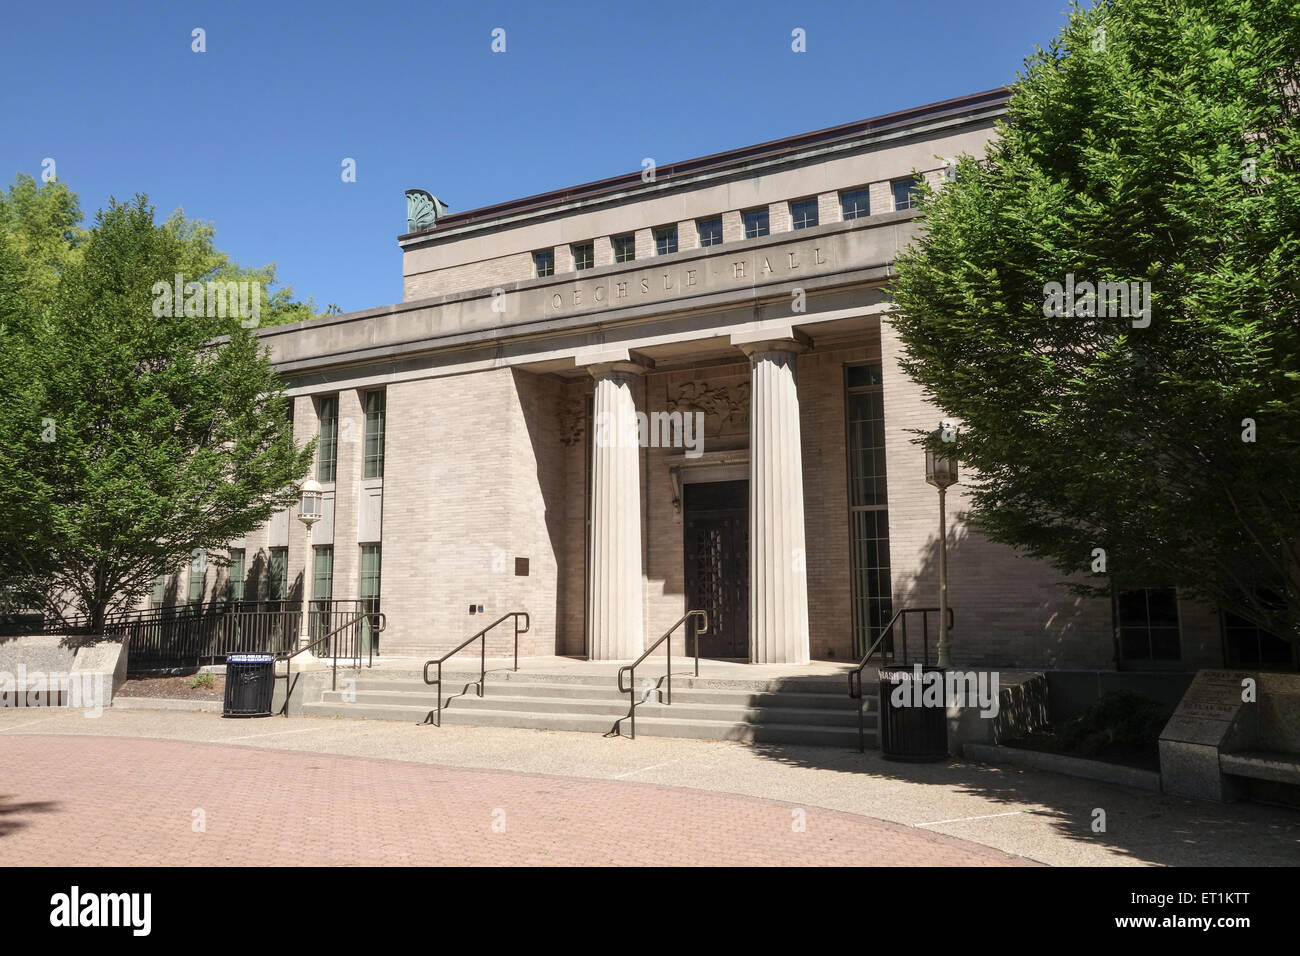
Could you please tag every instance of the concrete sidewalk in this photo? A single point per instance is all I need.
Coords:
(1041, 816)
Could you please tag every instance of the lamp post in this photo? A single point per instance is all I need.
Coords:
(941, 471)
(309, 512)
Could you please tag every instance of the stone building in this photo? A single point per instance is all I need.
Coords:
(676, 388)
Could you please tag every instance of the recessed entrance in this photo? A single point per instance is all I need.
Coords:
(715, 520)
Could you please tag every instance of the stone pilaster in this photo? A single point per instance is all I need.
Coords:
(614, 600)
(778, 582)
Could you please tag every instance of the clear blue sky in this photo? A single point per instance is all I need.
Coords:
(251, 134)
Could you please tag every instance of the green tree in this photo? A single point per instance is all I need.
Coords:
(1154, 141)
(129, 440)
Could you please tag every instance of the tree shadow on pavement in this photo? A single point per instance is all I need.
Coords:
(11, 813)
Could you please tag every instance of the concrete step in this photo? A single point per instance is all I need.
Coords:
(504, 699)
(546, 690)
(651, 726)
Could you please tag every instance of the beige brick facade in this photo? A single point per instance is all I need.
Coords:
(489, 437)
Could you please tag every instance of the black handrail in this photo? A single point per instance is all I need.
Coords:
(379, 624)
(855, 675)
(703, 628)
(482, 661)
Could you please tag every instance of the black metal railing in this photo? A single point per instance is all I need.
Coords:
(185, 635)
(436, 714)
(702, 628)
(884, 643)
(356, 625)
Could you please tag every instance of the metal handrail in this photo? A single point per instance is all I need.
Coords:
(703, 628)
(855, 675)
(380, 620)
(482, 673)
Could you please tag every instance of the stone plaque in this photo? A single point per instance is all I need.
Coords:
(1208, 710)
(1210, 719)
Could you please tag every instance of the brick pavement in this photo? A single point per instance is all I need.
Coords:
(81, 800)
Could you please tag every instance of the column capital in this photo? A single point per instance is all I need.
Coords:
(614, 361)
(756, 342)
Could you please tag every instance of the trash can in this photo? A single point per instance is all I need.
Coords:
(250, 685)
(913, 721)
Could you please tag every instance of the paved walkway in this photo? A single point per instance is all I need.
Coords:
(1023, 813)
(129, 802)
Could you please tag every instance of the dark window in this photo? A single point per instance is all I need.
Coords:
(1148, 625)
(278, 569)
(665, 240)
(855, 204)
(584, 255)
(235, 575)
(376, 403)
(159, 591)
(905, 193)
(370, 567)
(198, 573)
(868, 506)
(710, 231)
(1249, 644)
(755, 222)
(545, 263)
(803, 213)
(625, 248)
(327, 449)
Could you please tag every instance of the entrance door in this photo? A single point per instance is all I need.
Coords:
(716, 531)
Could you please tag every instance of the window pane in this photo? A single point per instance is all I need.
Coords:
(544, 263)
(755, 223)
(279, 573)
(855, 204)
(803, 214)
(376, 403)
(665, 240)
(327, 449)
(624, 248)
(584, 255)
(710, 231)
(235, 579)
(904, 193)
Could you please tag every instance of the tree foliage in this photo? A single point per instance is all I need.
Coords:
(1154, 141)
(129, 440)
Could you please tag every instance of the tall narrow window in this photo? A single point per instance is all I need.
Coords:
(905, 193)
(159, 591)
(327, 449)
(376, 406)
(625, 248)
(868, 506)
(710, 231)
(544, 262)
(322, 589)
(755, 222)
(198, 565)
(370, 574)
(665, 240)
(278, 570)
(1148, 626)
(235, 575)
(803, 213)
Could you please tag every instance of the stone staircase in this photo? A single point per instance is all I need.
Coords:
(795, 710)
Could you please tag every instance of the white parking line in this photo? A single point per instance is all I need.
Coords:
(644, 769)
(28, 724)
(987, 816)
(273, 733)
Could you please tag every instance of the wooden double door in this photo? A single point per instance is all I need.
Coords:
(715, 519)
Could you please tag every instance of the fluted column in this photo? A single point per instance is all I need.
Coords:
(778, 582)
(614, 619)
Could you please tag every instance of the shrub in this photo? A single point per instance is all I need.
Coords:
(1120, 718)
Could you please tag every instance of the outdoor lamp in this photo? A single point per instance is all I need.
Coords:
(309, 512)
(941, 471)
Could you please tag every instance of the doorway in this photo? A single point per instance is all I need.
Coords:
(715, 523)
